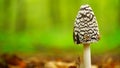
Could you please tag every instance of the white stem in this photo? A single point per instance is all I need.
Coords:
(87, 56)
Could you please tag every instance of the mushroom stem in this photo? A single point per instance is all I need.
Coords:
(87, 56)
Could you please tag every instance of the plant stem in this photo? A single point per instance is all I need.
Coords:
(87, 56)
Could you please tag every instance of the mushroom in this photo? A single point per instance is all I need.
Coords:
(86, 31)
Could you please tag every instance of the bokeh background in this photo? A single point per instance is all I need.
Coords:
(46, 26)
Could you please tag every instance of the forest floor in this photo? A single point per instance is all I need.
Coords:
(64, 61)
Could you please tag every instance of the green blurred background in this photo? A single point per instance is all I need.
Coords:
(44, 26)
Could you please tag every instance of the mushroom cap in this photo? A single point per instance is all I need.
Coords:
(85, 27)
